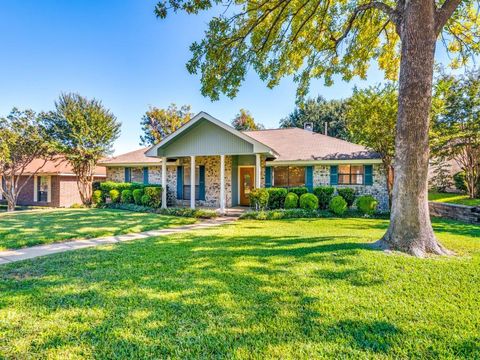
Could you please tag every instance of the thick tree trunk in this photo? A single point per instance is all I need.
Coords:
(410, 228)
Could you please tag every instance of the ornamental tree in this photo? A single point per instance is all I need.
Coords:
(244, 121)
(320, 39)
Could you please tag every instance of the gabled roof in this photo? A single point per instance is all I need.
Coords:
(295, 144)
(137, 157)
(57, 166)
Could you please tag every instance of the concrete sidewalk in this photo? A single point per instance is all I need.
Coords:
(9, 256)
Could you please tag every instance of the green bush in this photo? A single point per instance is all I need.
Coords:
(126, 197)
(298, 190)
(97, 197)
(348, 194)
(114, 196)
(258, 198)
(146, 200)
(367, 204)
(276, 197)
(338, 205)
(291, 201)
(308, 202)
(460, 182)
(187, 212)
(137, 196)
(155, 194)
(324, 195)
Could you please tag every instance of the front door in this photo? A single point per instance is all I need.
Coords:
(247, 182)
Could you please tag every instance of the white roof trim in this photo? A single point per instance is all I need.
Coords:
(152, 152)
(323, 162)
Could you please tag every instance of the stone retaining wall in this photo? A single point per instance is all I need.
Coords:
(464, 213)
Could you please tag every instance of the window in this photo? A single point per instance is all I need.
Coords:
(42, 188)
(350, 175)
(187, 183)
(288, 176)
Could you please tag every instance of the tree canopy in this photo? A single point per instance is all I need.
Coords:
(244, 121)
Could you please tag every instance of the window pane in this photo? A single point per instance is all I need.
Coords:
(280, 176)
(296, 176)
(357, 179)
(344, 169)
(357, 169)
(344, 179)
(186, 175)
(42, 182)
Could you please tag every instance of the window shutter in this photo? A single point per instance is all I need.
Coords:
(179, 182)
(268, 176)
(201, 182)
(309, 178)
(128, 175)
(333, 175)
(368, 174)
(145, 175)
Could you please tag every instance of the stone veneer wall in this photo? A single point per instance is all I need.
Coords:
(321, 176)
(464, 213)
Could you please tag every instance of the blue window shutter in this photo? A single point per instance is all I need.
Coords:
(368, 174)
(128, 175)
(201, 182)
(268, 176)
(309, 178)
(145, 175)
(333, 175)
(179, 182)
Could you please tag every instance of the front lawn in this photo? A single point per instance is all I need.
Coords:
(452, 198)
(30, 228)
(273, 289)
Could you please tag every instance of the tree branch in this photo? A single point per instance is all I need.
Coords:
(444, 13)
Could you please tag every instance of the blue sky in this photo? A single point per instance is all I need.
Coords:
(117, 51)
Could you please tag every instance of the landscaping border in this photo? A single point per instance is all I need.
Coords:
(470, 214)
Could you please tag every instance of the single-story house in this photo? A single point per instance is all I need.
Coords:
(208, 163)
(55, 184)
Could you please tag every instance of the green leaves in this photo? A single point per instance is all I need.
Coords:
(244, 121)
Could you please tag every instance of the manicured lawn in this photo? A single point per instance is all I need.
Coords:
(278, 289)
(30, 228)
(453, 199)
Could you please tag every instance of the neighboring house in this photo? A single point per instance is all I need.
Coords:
(209, 163)
(55, 184)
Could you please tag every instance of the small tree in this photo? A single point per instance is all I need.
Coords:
(158, 123)
(23, 138)
(244, 121)
(319, 111)
(441, 179)
(371, 119)
(84, 132)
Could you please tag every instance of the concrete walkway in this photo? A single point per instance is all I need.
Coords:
(9, 256)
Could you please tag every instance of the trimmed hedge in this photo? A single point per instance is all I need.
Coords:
(303, 214)
(348, 194)
(97, 197)
(324, 195)
(126, 197)
(146, 199)
(258, 198)
(107, 186)
(291, 201)
(308, 202)
(155, 194)
(114, 195)
(367, 204)
(183, 212)
(137, 196)
(276, 197)
(338, 205)
(298, 190)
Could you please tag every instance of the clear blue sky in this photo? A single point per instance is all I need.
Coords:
(117, 51)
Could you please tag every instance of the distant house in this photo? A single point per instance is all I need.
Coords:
(55, 184)
(209, 163)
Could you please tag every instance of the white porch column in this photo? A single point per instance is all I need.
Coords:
(258, 170)
(192, 182)
(222, 184)
(164, 182)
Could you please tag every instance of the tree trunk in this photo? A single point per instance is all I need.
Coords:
(10, 206)
(410, 228)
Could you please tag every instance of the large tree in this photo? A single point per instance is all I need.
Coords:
(320, 39)
(23, 138)
(84, 132)
(456, 125)
(371, 119)
(244, 121)
(319, 112)
(158, 123)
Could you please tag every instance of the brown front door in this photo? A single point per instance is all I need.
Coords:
(247, 182)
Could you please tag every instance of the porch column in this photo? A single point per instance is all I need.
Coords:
(164, 182)
(258, 171)
(192, 182)
(222, 184)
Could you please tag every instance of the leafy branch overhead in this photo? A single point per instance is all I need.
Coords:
(312, 39)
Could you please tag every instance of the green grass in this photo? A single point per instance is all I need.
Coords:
(30, 228)
(460, 199)
(276, 289)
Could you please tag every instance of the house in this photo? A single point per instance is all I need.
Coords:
(55, 184)
(209, 163)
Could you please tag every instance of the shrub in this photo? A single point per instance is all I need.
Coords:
(460, 182)
(308, 202)
(114, 196)
(187, 212)
(298, 190)
(348, 194)
(324, 195)
(276, 197)
(126, 197)
(77, 206)
(137, 196)
(96, 185)
(258, 198)
(338, 205)
(367, 204)
(97, 197)
(146, 200)
(155, 194)
(291, 201)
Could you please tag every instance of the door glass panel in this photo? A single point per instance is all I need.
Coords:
(42, 188)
